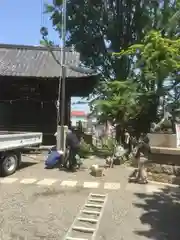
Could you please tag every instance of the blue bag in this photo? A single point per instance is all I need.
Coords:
(53, 158)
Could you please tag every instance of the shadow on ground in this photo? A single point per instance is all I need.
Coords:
(22, 166)
(67, 170)
(26, 165)
(54, 192)
(162, 214)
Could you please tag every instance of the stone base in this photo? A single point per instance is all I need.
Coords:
(166, 140)
(164, 173)
(168, 157)
(164, 169)
(165, 150)
(98, 173)
(164, 178)
(96, 170)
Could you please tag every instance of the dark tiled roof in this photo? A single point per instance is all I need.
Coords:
(35, 61)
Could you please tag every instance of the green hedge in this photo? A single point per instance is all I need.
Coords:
(85, 149)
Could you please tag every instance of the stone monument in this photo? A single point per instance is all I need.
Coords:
(165, 160)
(163, 133)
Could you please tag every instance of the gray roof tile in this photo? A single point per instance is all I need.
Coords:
(35, 61)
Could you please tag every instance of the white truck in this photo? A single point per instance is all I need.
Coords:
(11, 146)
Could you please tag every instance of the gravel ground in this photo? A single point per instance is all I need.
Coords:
(37, 213)
(31, 212)
(140, 216)
(33, 167)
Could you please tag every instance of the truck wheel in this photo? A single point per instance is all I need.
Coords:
(9, 165)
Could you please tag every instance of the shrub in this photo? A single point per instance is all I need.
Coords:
(85, 149)
(109, 144)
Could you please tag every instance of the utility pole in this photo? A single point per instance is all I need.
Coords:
(62, 85)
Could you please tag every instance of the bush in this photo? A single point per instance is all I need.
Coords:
(105, 150)
(109, 144)
(85, 149)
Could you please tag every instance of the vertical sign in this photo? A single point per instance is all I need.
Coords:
(177, 135)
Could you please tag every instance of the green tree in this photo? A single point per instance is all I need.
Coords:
(122, 23)
(92, 24)
(156, 67)
(120, 102)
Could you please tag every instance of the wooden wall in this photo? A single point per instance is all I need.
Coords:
(30, 106)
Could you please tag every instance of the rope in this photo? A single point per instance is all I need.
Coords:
(43, 22)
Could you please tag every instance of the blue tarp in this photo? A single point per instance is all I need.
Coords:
(52, 159)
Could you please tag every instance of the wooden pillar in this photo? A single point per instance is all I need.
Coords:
(68, 111)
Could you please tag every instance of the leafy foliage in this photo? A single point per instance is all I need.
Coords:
(98, 28)
(143, 34)
(157, 58)
(120, 103)
(92, 24)
(85, 149)
(157, 61)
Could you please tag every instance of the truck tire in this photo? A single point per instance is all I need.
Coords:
(9, 164)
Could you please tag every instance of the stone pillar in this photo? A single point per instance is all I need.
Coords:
(58, 137)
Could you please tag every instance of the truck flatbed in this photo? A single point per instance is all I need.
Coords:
(11, 145)
(14, 140)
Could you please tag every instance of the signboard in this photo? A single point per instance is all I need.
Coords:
(178, 135)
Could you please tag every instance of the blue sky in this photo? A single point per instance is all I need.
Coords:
(21, 20)
(20, 23)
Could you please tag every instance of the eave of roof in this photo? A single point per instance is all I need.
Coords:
(36, 61)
